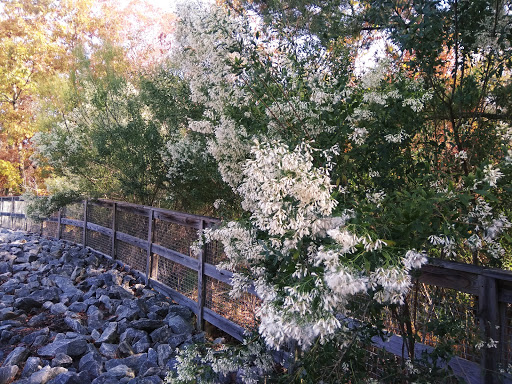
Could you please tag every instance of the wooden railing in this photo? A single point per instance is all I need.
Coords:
(155, 244)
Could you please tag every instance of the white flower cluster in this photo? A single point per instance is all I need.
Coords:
(492, 175)
(285, 193)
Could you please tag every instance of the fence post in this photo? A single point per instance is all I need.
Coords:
(488, 311)
(25, 215)
(150, 244)
(113, 246)
(84, 234)
(12, 212)
(154, 259)
(58, 223)
(201, 284)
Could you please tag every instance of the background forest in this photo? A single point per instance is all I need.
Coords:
(342, 170)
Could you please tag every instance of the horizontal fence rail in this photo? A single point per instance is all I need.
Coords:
(155, 244)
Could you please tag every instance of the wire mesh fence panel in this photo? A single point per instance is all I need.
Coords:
(99, 215)
(18, 223)
(505, 347)
(6, 221)
(19, 207)
(71, 233)
(174, 236)
(132, 224)
(50, 229)
(438, 316)
(240, 311)
(214, 253)
(178, 277)
(378, 362)
(131, 255)
(33, 226)
(74, 211)
(99, 242)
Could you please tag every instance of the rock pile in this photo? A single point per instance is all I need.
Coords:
(68, 316)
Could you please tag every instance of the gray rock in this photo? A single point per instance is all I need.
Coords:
(58, 309)
(134, 362)
(31, 337)
(109, 350)
(161, 334)
(73, 347)
(75, 325)
(62, 360)
(66, 378)
(179, 325)
(151, 371)
(176, 340)
(33, 364)
(45, 374)
(93, 369)
(16, 357)
(148, 325)
(125, 312)
(8, 373)
(180, 310)
(109, 335)
(120, 371)
(94, 318)
(142, 344)
(164, 352)
(26, 304)
(46, 294)
(132, 335)
(78, 307)
(125, 349)
(151, 380)
(91, 356)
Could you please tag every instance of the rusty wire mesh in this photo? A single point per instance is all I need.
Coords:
(173, 236)
(214, 252)
(50, 229)
(99, 215)
(132, 224)
(505, 347)
(240, 311)
(438, 315)
(131, 255)
(71, 233)
(177, 277)
(99, 242)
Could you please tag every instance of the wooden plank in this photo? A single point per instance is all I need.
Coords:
(180, 219)
(201, 285)
(12, 214)
(59, 220)
(176, 296)
(449, 278)
(224, 324)
(132, 208)
(102, 203)
(73, 222)
(177, 257)
(224, 276)
(131, 240)
(84, 233)
(113, 246)
(221, 275)
(98, 228)
(470, 371)
(150, 242)
(488, 313)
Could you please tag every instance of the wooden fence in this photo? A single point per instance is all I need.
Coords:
(155, 244)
